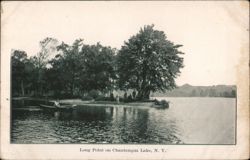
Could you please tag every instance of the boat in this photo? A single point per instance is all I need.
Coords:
(59, 107)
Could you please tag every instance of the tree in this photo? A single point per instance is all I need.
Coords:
(68, 66)
(193, 93)
(22, 72)
(48, 48)
(148, 62)
(85, 67)
(98, 72)
(54, 76)
(226, 94)
(18, 60)
(233, 93)
(212, 92)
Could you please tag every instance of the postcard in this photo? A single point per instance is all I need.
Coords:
(124, 80)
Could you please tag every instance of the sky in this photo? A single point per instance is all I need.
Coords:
(212, 33)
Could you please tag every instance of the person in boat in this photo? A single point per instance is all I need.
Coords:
(56, 103)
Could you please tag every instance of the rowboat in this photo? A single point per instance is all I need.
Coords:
(61, 107)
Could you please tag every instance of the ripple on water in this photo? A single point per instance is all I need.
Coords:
(176, 125)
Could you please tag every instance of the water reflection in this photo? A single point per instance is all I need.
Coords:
(188, 120)
(88, 124)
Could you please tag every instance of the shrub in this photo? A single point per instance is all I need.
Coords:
(162, 103)
(86, 98)
(121, 99)
(157, 102)
(112, 98)
(130, 99)
(94, 94)
(102, 98)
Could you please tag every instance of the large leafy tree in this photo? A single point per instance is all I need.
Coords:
(148, 62)
(18, 60)
(54, 76)
(40, 61)
(98, 72)
(83, 68)
(67, 67)
(22, 73)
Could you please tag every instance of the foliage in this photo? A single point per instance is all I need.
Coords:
(102, 98)
(23, 73)
(161, 104)
(80, 68)
(86, 98)
(99, 71)
(148, 62)
(164, 102)
(40, 62)
(18, 59)
(112, 98)
(67, 66)
(93, 93)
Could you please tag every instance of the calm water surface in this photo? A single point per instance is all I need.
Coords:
(187, 121)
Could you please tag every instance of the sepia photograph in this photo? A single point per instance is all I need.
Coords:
(124, 73)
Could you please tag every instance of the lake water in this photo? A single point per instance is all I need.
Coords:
(187, 121)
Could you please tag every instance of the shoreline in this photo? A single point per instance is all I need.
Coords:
(107, 103)
(80, 102)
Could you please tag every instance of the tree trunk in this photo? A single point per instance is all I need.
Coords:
(22, 88)
(143, 94)
(41, 89)
(146, 94)
(40, 84)
(139, 95)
